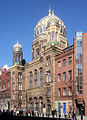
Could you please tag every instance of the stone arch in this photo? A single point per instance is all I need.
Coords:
(30, 104)
(35, 78)
(41, 104)
(48, 105)
(30, 79)
(36, 103)
(41, 97)
(41, 76)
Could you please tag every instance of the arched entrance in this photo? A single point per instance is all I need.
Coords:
(31, 105)
(8, 105)
(36, 105)
(48, 106)
(41, 104)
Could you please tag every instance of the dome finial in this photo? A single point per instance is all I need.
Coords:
(52, 12)
(17, 41)
(49, 10)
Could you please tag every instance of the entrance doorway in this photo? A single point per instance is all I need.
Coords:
(8, 105)
(80, 107)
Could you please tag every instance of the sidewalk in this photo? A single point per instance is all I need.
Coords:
(79, 117)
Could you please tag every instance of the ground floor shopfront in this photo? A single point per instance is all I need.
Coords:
(63, 107)
(5, 104)
(39, 105)
(80, 105)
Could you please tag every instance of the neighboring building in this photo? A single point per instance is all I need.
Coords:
(5, 88)
(80, 72)
(18, 99)
(64, 80)
(71, 78)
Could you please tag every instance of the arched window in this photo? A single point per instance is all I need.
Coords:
(49, 37)
(35, 78)
(44, 28)
(32, 53)
(37, 31)
(8, 84)
(37, 51)
(56, 36)
(41, 76)
(52, 35)
(16, 58)
(48, 91)
(19, 81)
(61, 30)
(19, 58)
(48, 76)
(30, 79)
(40, 29)
(64, 32)
(48, 61)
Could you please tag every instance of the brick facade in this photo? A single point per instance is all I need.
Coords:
(66, 61)
(78, 82)
(5, 88)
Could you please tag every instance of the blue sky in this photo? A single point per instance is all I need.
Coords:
(19, 17)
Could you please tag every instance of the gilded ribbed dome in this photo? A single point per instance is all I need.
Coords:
(17, 47)
(51, 19)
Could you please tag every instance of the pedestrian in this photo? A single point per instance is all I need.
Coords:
(73, 115)
(32, 113)
(53, 113)
(69, 114)
(28, 112)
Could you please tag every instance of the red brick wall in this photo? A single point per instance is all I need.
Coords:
(5, 76)
(68, 67)
(85, 70)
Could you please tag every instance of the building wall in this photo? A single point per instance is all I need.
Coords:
(64, 84)
(5, 89)
(80, 98)
(85, 71)
(39, 94)
(18, 93)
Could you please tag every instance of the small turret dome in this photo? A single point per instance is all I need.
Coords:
(17, 54)
(17, 47)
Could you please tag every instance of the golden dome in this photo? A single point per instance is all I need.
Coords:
(51, 19)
